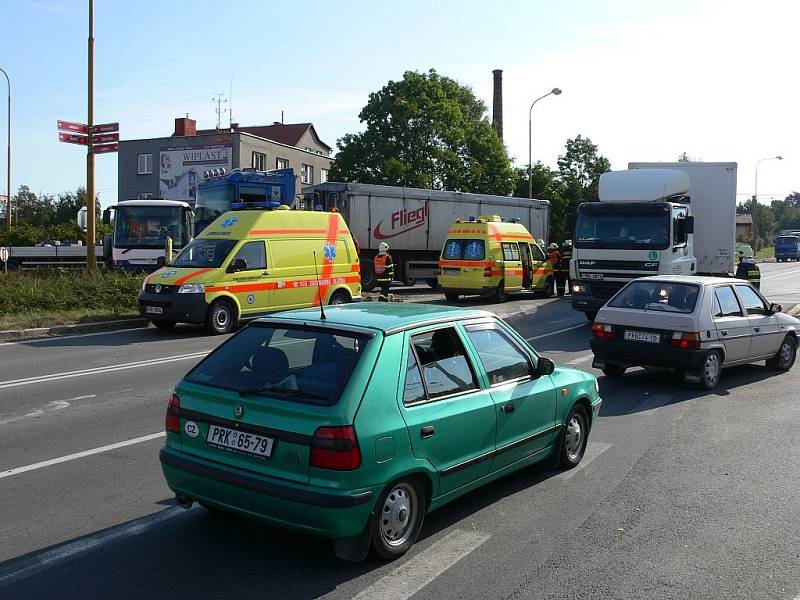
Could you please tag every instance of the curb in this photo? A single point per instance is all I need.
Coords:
(64, 330)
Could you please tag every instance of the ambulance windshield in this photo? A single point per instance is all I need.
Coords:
(204, 254)
(149, 226)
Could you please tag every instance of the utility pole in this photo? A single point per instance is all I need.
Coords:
(8, 165)
(91, 207)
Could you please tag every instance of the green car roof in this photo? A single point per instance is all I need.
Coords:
(382, 316)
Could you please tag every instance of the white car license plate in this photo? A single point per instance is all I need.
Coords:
(153, 310)
(643, 336)
(240, 442)
(451, 272)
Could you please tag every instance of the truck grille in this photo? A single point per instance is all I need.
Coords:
(605, 289)
(150, 288)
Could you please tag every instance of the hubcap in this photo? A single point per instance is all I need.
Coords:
(222, 318)
(573, 438)
(786, 353)
(398, 514)
(711, 369)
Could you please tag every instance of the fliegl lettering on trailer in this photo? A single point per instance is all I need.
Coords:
(403, 221)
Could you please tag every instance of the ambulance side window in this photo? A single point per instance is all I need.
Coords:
(510, 251)
(254, 254)
(537, 252)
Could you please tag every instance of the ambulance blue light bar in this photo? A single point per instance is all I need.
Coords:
(254, 205)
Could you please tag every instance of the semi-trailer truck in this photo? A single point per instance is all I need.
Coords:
(653, 219)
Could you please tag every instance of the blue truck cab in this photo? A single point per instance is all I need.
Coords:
(787, 247)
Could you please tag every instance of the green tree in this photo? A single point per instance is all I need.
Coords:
(547, 186)
(765, 221)
(68, 204)
(425, 131)
(580, 168)
(32, 209)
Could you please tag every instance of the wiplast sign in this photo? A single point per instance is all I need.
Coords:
(400, 222)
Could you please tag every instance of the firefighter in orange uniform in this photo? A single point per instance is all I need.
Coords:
(384, 270)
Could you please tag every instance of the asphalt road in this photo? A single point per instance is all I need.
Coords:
(682, 493)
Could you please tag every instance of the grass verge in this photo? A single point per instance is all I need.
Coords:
(62, 297)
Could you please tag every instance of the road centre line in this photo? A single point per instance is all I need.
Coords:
(773, 274)
(83, 454)
(31, 565)
(99, 370)
(544, 335)
(593, 450)
(407, 579)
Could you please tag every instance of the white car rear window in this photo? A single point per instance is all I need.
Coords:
(665, 296)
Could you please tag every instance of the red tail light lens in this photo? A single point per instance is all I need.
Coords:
(685, 340)
(335, 448)
(487, 271)
(603, 331)
(173, 421)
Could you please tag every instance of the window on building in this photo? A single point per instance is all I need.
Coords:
(307, 174)
(323, 175)
(144, 195)
(259, 161)
(281, 163)
(145, 164)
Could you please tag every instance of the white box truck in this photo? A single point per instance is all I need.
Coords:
(414, 222)
(653, 219)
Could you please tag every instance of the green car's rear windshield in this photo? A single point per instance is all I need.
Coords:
(666, 296)
(301, 364)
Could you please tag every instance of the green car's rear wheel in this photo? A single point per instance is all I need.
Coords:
(399, 513)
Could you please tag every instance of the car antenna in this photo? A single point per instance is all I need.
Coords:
(319, 289)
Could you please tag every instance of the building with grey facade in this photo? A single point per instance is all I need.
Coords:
(171, 167)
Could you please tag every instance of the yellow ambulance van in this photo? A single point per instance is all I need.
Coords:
(492, 257)
(249, 263)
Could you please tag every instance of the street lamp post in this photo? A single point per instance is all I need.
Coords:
(554, 92)
(754, 209)
(8, 165)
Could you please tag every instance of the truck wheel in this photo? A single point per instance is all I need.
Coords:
(410, 281)
(368, 277)
(591, 315)
(221, 317)
(164, 324)
(451, 296)
(339, 297)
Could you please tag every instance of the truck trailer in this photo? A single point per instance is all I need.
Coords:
(414, 222)
(653, 219)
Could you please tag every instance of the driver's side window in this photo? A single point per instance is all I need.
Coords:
(254, 254)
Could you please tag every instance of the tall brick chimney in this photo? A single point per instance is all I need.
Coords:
(497, 103)
(184, 126)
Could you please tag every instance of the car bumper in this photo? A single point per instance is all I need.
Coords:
(630, 354)
(586, 302)
(178, 308)
(326, 513)
(486, 290)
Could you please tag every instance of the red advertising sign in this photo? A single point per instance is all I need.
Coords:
(72, 138)
(103, 148)
(106, 128)
(70, 126)
(104, 138)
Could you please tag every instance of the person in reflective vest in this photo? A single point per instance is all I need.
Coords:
(384, 270)
(748, 269)
(562, 275)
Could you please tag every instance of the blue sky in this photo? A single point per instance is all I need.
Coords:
(646, 80)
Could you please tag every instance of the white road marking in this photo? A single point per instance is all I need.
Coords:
(593, 450)
(581, 359)
(544, 335)
(99, 370)
(42, 560)
(72, 337)
(77, 455)
(49, 407)
(773, 274)
(650, 405)
(407, 579)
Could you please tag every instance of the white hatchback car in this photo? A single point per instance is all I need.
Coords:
(696, 325)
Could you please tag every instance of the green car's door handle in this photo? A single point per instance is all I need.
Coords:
(427, 431)
(507, 408)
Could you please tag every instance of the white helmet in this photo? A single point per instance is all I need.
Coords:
(745, 251)
(383, 247)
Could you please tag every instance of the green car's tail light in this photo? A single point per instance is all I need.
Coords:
(335, 448)
(685, 340)
(603, 331)
(173, 421)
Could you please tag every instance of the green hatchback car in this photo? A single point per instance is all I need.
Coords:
(354, 425)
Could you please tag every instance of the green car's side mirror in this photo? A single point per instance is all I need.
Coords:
(545, 366)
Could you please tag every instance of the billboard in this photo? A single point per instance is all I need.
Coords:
(180, 169)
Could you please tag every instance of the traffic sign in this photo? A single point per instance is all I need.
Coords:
(4, 254)
(104, 138)
(106, 128)
(103, 148)
(70, 126)
(72, 138)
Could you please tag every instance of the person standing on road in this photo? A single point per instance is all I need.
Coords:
(748, 269)
(562, 275)
(384, 270)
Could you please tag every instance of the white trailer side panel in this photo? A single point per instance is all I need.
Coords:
(713, 204)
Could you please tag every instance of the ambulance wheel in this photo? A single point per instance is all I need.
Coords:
(164, 324)
(410, 281)
(368, 278)
(548, 287)
(339, 297)
(451, 296)
(221, 318)
(500, 293)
